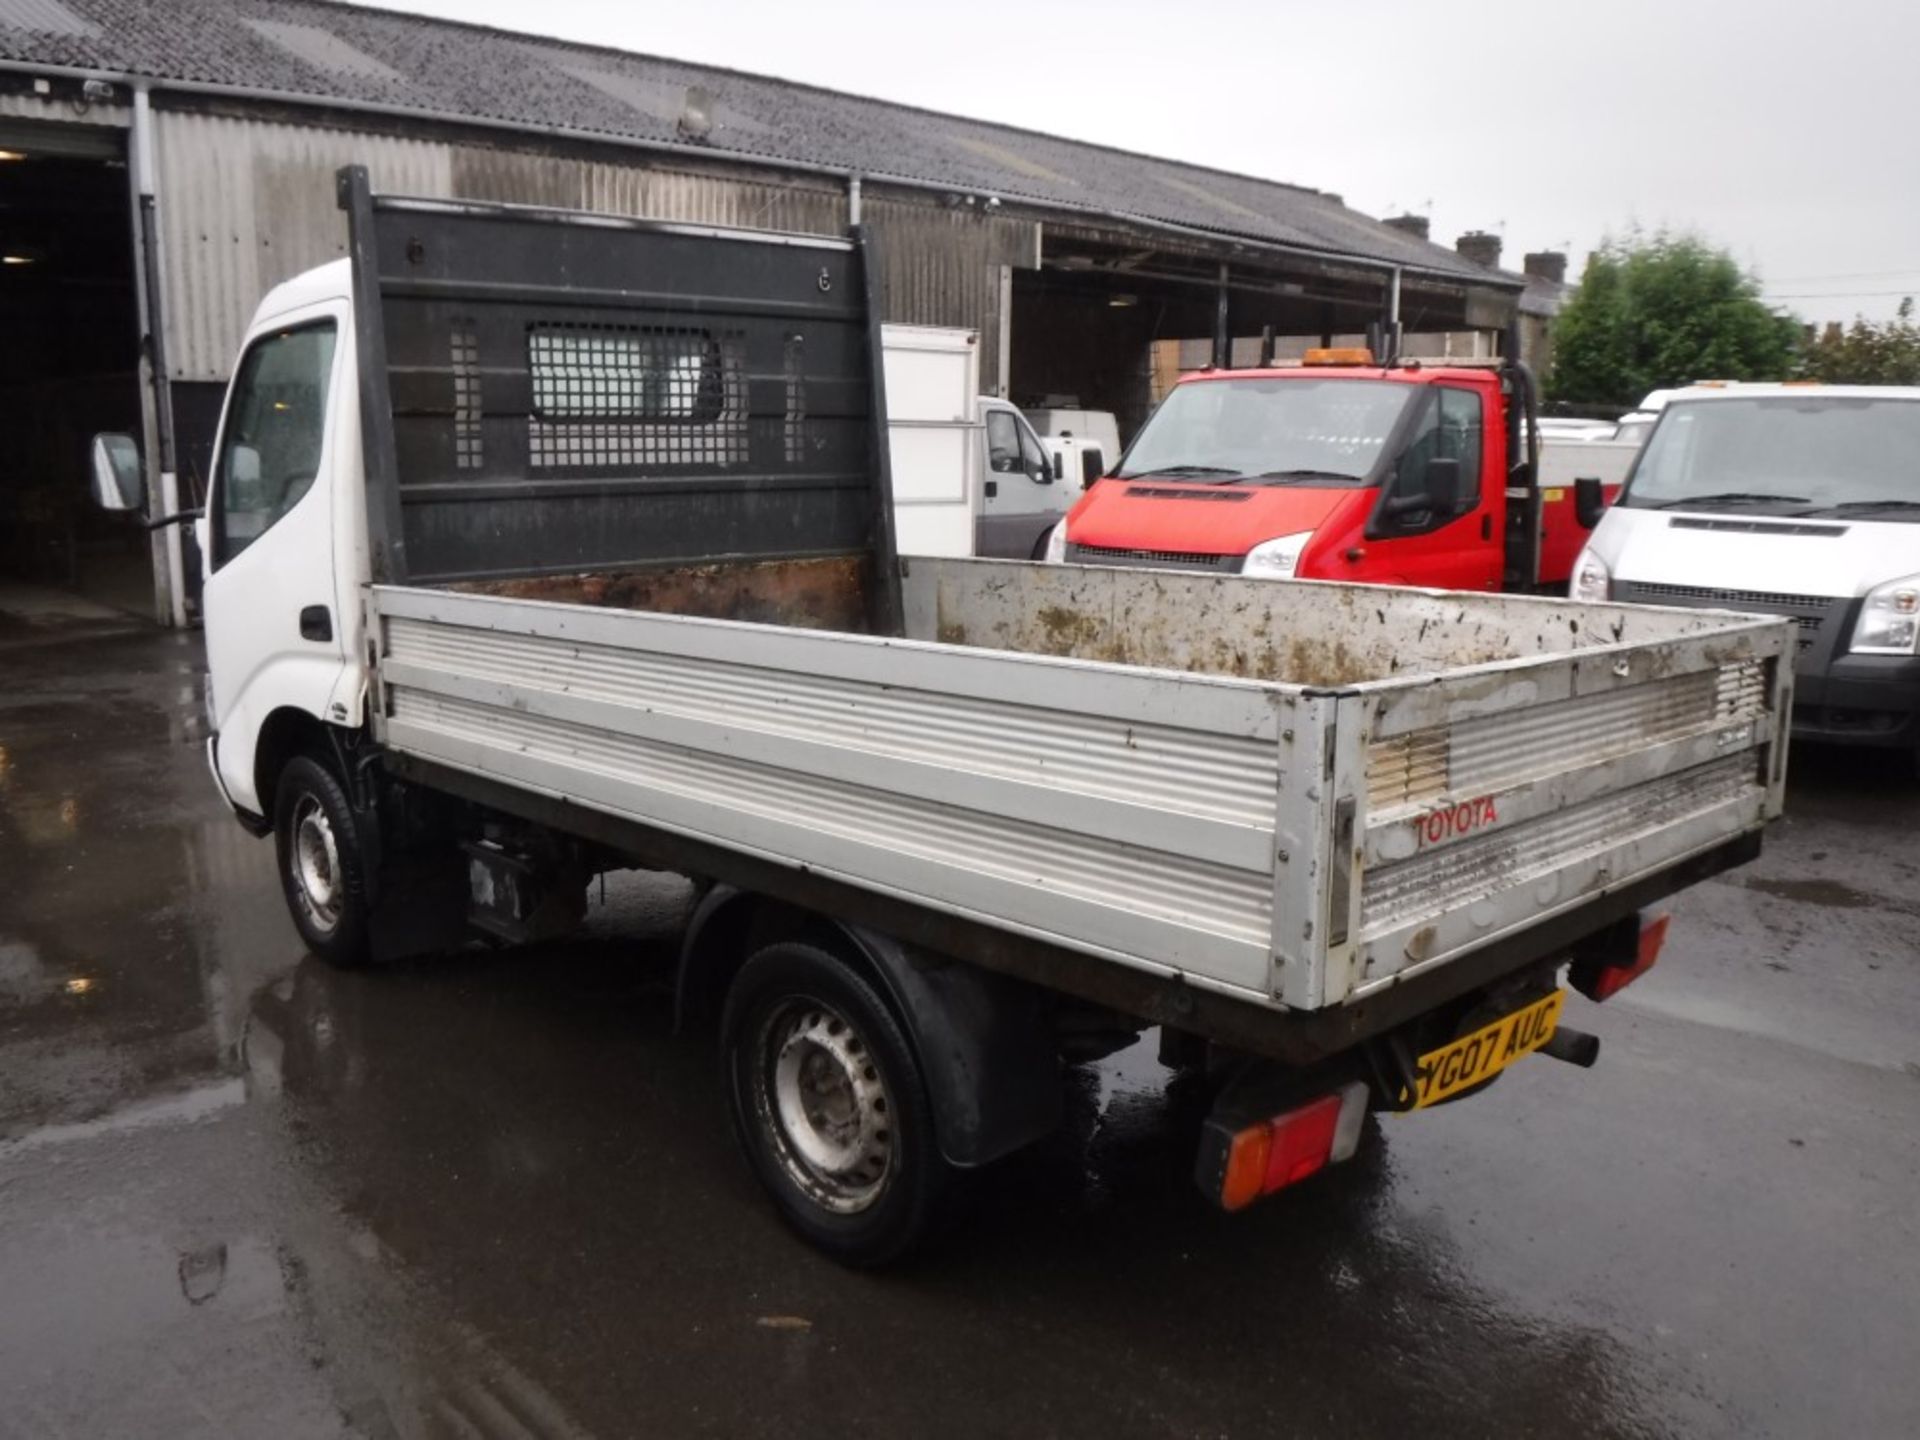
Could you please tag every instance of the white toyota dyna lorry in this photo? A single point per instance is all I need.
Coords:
(541, 545)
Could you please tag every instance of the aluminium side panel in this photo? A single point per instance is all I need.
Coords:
(1499, 796)
(1127, 813)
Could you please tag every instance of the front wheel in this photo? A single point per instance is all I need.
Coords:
(322, 871)
(829, 1104)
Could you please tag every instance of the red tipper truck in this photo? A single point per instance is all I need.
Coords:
(1409, 473)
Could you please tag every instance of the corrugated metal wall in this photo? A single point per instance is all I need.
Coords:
(941, 266)
(246, 203)
(36, 107)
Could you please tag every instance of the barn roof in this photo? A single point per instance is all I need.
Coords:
(349, 56)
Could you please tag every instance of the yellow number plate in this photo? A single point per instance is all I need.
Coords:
(1487, 1051)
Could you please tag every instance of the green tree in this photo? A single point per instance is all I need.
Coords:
(1867, 354)
(1660, 310)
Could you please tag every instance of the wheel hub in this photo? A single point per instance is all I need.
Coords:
(824, 1102)
(316, 864)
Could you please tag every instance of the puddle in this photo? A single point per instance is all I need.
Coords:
(1829, 893)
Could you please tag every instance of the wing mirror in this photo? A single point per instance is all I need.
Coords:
(118, 485)
(1589, 501)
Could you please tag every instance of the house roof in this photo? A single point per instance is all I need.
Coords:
(348, 56)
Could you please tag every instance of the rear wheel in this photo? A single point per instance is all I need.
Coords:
(829, 1104)
(322, 871)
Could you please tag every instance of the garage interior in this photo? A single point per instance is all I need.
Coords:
(70, 365)
(1105, 324)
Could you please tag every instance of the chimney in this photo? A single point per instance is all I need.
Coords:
(1415, 225)
(1546, 265)
(1480, 247)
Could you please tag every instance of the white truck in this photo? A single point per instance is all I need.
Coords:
(1791, 499)
(970, 477)
(1083, 444)
(543, 545)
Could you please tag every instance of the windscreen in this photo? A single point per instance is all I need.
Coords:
(1274, 431)
(1808, 454)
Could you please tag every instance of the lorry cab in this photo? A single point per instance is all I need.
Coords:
(1335, 469)
(282, 533)
(1081, 443)
(1024, 492)
(1790, 499)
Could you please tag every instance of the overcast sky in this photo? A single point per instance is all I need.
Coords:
(1780, 129)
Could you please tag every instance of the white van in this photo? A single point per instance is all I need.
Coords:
(970, 476)
(1096, 427)
(1799, 500)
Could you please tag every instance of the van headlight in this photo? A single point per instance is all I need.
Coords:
(1276, 559)
(1056, 544)
(1889, 622)
(1591, 580)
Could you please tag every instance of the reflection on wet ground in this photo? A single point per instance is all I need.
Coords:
(493, 1194)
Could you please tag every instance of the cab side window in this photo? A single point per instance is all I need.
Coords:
(270, 446)
(1460, 438)
(1033, 455)
(1003, 443)
(1449, 428)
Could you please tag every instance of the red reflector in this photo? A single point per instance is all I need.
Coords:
(1653, 935)
(1236, 1166)
(1607, 981)
(1302, 1141)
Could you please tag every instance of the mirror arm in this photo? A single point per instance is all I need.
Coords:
(197, 512)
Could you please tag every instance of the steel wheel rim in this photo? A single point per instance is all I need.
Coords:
(822, 1102)
(315, 863)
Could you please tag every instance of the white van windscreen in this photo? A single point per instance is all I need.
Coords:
(1807, 454)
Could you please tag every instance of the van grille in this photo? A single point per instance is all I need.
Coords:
(1808, 610)
(1172, 559)
(1161, 492)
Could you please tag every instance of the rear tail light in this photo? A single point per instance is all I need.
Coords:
(1239, 1165)
(1609, 962)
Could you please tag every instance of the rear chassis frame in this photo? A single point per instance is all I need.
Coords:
(1296, 1038)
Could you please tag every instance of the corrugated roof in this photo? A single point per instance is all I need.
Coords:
(347, 55)
(46, 17)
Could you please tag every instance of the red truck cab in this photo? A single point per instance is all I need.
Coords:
(1336, 469)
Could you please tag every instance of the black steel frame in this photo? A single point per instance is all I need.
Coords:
(447, 297)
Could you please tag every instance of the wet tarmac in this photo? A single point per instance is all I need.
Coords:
(494, 1196)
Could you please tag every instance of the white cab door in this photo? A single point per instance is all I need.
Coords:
(1020, 496)
(270, 604)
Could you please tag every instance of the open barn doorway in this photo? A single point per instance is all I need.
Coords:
(70, 366)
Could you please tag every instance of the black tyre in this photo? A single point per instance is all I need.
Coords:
(322, 871)
(829, 1104)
